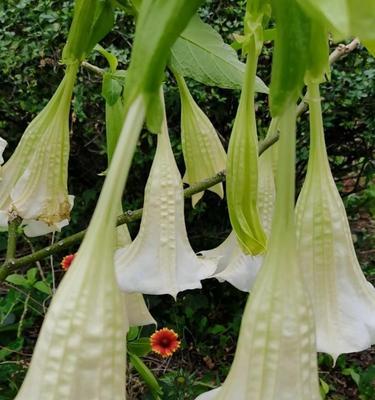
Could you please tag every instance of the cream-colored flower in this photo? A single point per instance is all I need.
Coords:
(203, 152)
(276, 352)
(81, 348)
(136, 308)
(233, 265)
(160, 259)
(344, 302)
(34, 179)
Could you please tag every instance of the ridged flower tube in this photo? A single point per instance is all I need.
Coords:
(242, 168)
(344, 302)
(266, 182)
(276, 356)
(160, 260)
(81, 348)
(34, 179)
(203, 152)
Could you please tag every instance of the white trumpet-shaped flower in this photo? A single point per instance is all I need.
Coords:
(344, 302)
(81, 348)
(233, 265)
(203, 152)
(276, 356)
(136, 308)
(160, 259)
(34, 179)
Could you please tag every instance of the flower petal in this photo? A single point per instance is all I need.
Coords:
(233, 265)
(203, 152)
(160, 259)
(3, 144)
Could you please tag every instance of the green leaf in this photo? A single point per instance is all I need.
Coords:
(103, 23)
(111, 89)
(159, 23)
(43, 287)
(324, 388)
(201, 54)
(18, 280)
(147, 376)
(140, 347)
(132, 333)
(354, 375)
(31, 275)
(344, 18)
(112, 60)
(10, 348)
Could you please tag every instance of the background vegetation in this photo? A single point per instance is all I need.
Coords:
(32, 34)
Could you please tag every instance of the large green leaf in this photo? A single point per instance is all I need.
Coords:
(200, 53)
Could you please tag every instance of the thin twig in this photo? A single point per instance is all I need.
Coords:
(93, 68)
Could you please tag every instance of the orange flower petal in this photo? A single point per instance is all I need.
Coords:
(67, 261)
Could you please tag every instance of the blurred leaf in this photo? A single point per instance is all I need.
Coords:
(140, 347)
(18, 280)
(147, 376)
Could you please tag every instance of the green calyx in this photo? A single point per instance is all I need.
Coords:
(242, 169)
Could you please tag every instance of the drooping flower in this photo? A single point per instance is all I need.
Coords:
(34, 179)
(233, 265)
(242, 169)
(66, 262)
(276, 356)
(160, 259)
(136, 308)
(81, 348)
(203, 152)
(344, 302)
(164, 342)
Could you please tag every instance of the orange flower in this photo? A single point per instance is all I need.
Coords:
(67, 261)
(164, 342)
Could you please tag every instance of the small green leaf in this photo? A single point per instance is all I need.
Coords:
(43, 287)
(354, 375)
(18, 280)
(31, 275)
(146, 375)
(10, 348)
(111, 89)
(132, 333)
(324, 388)
(140, 347)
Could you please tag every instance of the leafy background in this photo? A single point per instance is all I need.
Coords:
(32, 34)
